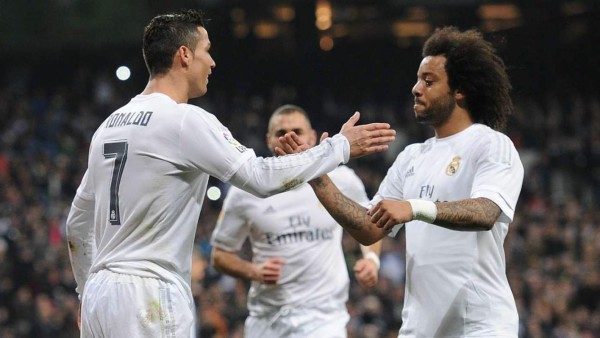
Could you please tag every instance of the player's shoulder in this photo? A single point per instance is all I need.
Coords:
(486, 136)
(197, 111)
(194, 109)
(486, 142)
(197, 117)
(414, 149)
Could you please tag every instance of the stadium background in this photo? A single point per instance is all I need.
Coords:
(57, 83)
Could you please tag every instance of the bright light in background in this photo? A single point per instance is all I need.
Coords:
(213, 193)
(323, 14)
(326, 43)
(123, 73)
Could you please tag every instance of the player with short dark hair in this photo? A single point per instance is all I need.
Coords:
(132, 222)
(298, 270)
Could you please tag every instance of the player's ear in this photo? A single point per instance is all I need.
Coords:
(184, 54)
(459, 95)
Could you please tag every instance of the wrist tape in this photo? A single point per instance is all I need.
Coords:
(373, 256)
(425, 211)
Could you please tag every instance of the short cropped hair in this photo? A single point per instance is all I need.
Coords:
(165, 34)
(474, 68)
(288, 109)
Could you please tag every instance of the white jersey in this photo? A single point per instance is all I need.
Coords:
(296, 227)
(456, 283)
(148, 168)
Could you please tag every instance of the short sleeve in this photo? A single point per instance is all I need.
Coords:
(391, 186)
(232, 228)
(499, 176)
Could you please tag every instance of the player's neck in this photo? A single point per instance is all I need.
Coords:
(168, 85)
(458, 121)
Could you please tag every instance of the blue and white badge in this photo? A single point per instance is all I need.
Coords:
(240, 147)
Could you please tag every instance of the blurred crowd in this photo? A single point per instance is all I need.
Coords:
(552, 249)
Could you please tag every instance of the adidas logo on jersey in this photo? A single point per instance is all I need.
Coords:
(269, 210)
(410, 172)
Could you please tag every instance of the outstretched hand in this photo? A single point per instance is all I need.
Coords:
(364, 139)
(367, 139)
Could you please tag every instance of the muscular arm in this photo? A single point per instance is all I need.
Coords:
(349, 214)
(473, 214)
(231, 264)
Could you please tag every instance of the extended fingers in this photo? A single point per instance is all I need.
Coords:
(374, 209)
(324, 136)
(380, 217)
(290, 144)
(279, 151)
(290, 141)
(378, 137)
(377, 126)
(389, 134)
(351, 121)
(383, 221)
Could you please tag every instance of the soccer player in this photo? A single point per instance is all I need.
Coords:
(456, 193)
(132, 222)
(298, 271)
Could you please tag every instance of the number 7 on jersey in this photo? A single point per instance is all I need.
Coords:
(118, 151)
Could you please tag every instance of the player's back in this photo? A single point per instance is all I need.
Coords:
(147, 196)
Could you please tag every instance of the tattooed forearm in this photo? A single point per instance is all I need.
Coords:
(349, 214)
(345, 211)
(320, 182)
(468, 215)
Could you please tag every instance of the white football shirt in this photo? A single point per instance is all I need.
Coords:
(456, 283)
(148, 168)
(296, 227)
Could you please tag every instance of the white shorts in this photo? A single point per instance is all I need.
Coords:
(298, 322)
(121, 305)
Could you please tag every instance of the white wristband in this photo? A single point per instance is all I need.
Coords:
(425, 211)
(373, 256)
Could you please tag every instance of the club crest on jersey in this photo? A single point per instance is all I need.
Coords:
(452, 168)
(240, 147)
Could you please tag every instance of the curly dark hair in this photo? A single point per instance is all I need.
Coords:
(474, 68)
(165, 34)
